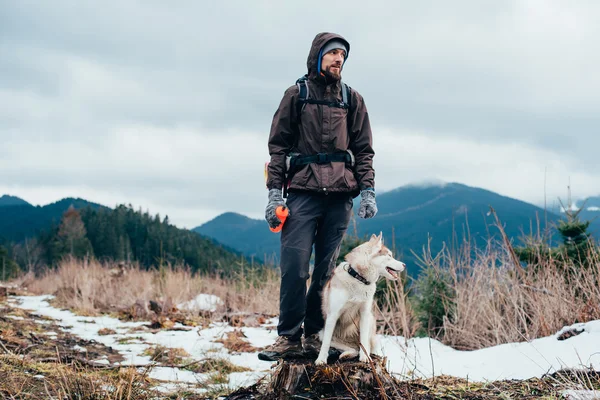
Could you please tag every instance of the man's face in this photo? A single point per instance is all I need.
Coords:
(332, 62)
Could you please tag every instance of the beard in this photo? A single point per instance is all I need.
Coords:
(333, 76)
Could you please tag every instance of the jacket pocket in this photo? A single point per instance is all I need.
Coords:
(349, 179)
(301, 177)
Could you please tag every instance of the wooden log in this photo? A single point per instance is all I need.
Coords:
(301, 379)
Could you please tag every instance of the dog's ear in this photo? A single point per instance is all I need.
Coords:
(375, 244)
(377, 238)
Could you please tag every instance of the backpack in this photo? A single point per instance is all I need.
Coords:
(294, 160)
(304, 96)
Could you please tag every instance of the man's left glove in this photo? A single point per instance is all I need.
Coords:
(275, 200)
(368, 206)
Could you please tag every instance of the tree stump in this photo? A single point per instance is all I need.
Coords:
(302, 379)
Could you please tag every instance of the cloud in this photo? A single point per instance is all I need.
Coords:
(169, 106)
(524, 172)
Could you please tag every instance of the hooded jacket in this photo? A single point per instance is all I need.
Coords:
(322, 129)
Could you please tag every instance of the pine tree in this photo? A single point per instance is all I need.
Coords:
(576, 246)
(72, 232)
(8, 268)
(434, 299)
(577, 241)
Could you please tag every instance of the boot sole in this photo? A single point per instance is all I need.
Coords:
(271, 356)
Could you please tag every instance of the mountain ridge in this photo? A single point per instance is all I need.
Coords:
(8, 200)
(409, 216)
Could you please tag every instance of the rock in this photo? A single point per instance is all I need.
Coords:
(570, 333)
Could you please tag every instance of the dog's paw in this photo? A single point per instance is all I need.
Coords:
(377, 353)
(363, 357)
(348, 354)
(321, 361)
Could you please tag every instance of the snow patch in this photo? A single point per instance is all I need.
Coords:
(79, 348)
(202, 302)
(175, 375)
(581, 395)
(417, 357)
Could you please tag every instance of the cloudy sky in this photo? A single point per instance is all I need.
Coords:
(168, 105)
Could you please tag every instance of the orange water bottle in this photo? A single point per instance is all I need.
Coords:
(282, 213)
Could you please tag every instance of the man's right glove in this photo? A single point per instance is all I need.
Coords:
(275, 200)
(368, 206)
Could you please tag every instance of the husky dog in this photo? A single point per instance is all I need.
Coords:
(348, 300)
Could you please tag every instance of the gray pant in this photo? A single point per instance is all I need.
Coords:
(322, 220)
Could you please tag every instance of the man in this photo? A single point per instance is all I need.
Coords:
(332, 163)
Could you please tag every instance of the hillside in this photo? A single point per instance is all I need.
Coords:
(250, 236)
(449, 214)
(20, 220)
(81, 228)
(410, 214)
(7, 200)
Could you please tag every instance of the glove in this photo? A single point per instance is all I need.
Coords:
(275, 200)
(368, 206)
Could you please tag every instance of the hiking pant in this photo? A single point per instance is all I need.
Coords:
(315, 219)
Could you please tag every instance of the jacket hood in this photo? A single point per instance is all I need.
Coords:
(314, 55)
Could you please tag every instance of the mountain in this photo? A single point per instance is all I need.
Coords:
(120, 234)
(249, 236)
(448, 213)
(21, 220)
(7, 200)
(590, 212)
(407, 216)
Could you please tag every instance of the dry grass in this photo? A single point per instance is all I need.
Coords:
(27, 379)
(90, 287)
(216, 365)
(167, 355)
(395, 311)
(236, 341)
(496, 304)
(498, 301)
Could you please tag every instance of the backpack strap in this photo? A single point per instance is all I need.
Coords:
(346, 96)
(304, 96)
(292, 162)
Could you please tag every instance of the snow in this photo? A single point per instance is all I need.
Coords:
(593, 208)
(507, 361)
(79, 348)
(581, 395)
(204, 302)
(417, 357)
(175, 375)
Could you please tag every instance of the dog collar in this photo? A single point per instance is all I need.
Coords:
(356, 275)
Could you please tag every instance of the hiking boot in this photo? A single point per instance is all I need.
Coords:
(282, 348)
(311, 345)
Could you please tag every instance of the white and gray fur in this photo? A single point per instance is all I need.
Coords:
(348, 303)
